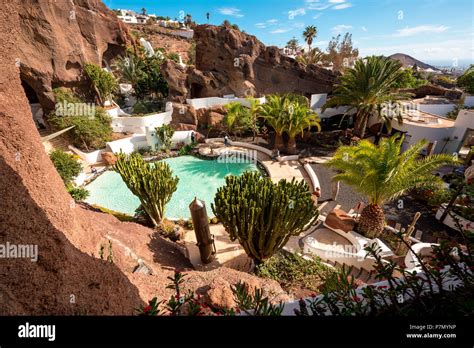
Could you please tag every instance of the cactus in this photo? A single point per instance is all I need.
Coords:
(263, 215)
(153, 184)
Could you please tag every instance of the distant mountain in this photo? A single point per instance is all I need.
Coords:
(407, 60)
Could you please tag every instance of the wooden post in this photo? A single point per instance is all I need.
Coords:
(205, 240)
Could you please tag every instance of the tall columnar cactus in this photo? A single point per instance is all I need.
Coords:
(153, 184)
(263, 215)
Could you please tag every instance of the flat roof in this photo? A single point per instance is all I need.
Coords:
(424, 119)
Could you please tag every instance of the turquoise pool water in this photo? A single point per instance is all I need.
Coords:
(197, 177)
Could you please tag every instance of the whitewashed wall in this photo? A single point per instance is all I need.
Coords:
(200, 103)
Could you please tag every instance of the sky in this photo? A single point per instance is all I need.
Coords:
(439, 32)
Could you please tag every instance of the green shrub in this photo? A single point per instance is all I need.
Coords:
(292, 269)
(67, 165)
(174, 57)
(186, 149)
(466, 80)
(89, 133)
(164, 134)
(78, 193)
(103, 82)
(263, 215)
(153, 184)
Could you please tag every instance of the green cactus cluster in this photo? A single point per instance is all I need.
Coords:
(154, 184)
(263, 215)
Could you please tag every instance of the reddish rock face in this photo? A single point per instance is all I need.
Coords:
(109, 158)
(36, 210)
(231, 62)
(58, 37)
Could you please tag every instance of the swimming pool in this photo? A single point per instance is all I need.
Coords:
(197, 178)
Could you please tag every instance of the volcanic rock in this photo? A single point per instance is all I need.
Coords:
(184, 114)
(109, 158)
(58, 37)
(229, 61)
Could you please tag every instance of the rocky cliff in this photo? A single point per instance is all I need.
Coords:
(58, 37)
(229, 61)
(68, 277)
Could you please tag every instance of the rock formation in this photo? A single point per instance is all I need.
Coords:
(68, 277)
(231, 62)
(58, 37)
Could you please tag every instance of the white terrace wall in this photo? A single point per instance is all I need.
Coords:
(464, 121)
(200, 103)
(123, 122)
(436, 109)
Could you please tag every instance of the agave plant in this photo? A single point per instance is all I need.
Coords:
(365, 88)
(312, 57)
(382, 173)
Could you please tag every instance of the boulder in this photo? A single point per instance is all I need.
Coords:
(57, 38)
(185, 127)
(220, 294)
(184, 114)
(229, 61)
(109, 158)
(339, 220)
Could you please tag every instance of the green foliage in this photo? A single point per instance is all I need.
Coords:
(186, 149)
(382, 173)
(466, 80)
(255, 304)
(78, 193)
(365, 88)
(192, 54)
(293, 269)
(411, 294)
(146, 106)
(164, 134)
(144, 73)
(104, 82)
(62, 95)
(262, 215)
(173, 56)
(153, 184)
(89, 133)
(67, 165)
(120, 216)
(238, 118)
(309, 34)
(408, 80)
(289, 114)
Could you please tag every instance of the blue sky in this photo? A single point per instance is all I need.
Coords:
(430, 30)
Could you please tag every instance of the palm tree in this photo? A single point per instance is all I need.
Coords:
(298, 118)
(382, 173)
(309, 34)
(365, 88)
(254, 111)
(312, 57)
(238, 118)
(273, 112)
(143, 11)
(208, 15)
(130, 68)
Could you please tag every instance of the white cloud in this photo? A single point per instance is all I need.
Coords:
(364, 28)
(231, 11)
(448, 49)
(421, 29)
(341, 28)
(271, 21)
(297, 12)
(342, 6)
(318, 7)
(337, 1)
(261, 25)
(280, 31)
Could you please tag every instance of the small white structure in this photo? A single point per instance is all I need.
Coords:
(317, 102)
(128, 19)
(200, 103)
(439, 106)
(123, 122)
(150, 52)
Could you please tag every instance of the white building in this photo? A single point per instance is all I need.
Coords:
(443, 135)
